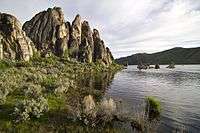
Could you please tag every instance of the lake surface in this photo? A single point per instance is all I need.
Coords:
(177, 89)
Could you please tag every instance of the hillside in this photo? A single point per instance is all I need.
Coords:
(178, 55)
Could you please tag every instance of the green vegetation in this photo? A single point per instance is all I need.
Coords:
(46, 94)
(153, 107)
(53, 94)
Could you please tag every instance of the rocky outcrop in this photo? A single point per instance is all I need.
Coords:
(48, 31)
(86, 48)
(75, 37)
(14, 44)
(101, 53)
(51, 33)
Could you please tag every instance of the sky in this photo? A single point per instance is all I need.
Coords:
(126, 26)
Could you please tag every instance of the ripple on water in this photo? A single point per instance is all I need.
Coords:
(177, 89)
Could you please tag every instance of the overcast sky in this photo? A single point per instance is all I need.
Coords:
(127, 26)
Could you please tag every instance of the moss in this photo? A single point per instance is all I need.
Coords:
(153, 107)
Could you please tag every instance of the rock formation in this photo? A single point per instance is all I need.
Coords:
(75, 37)
(101, 54)
(87, 45)
(51, 33)
(48, 31)
(14, 44)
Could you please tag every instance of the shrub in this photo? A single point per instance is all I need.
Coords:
(64, 85)
(153, 107)
(5, 64)
(28, 108)
(32, 90)
(142, 124)
(105, 112)
(23, 64)
(89, 106)
(100, 113)
(89, 110)
(50, 84)
(108, 107)
(3, 93)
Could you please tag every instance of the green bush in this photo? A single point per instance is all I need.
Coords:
(153, 107)
(3, 93)
(50, 83)
(32, 90)
(33, 105)
(4, 64)
(28, 108)
(23, 64)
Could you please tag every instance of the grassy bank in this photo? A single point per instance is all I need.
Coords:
(46, 94)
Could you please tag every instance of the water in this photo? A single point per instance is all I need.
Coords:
(177, 89)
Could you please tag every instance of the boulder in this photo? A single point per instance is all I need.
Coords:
(48, 31)
(14, 44)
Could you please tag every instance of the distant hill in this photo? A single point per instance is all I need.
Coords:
(178, 55)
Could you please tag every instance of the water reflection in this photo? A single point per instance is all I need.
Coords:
(96, 81)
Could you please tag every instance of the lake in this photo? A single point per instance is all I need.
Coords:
(178, 90)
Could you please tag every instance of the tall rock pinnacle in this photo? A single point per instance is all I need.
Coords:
(75, 36)
(14, 44)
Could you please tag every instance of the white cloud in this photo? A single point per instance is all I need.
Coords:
(127, 26)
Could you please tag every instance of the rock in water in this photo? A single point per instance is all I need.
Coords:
(48, 31)
(171, 66)
(157, 66)
(14, 44)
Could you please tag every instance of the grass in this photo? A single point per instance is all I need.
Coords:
(47, 74)
(153, 107)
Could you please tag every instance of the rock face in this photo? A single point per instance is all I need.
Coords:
(14, 44)
(75, 37)
(101, 54)
(48, 31)
(86, 48)
(51, 33)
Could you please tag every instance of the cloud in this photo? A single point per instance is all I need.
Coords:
(127, 26)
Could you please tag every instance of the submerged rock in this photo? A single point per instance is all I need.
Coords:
(171, 66)
(14, 44)
(157, 66)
